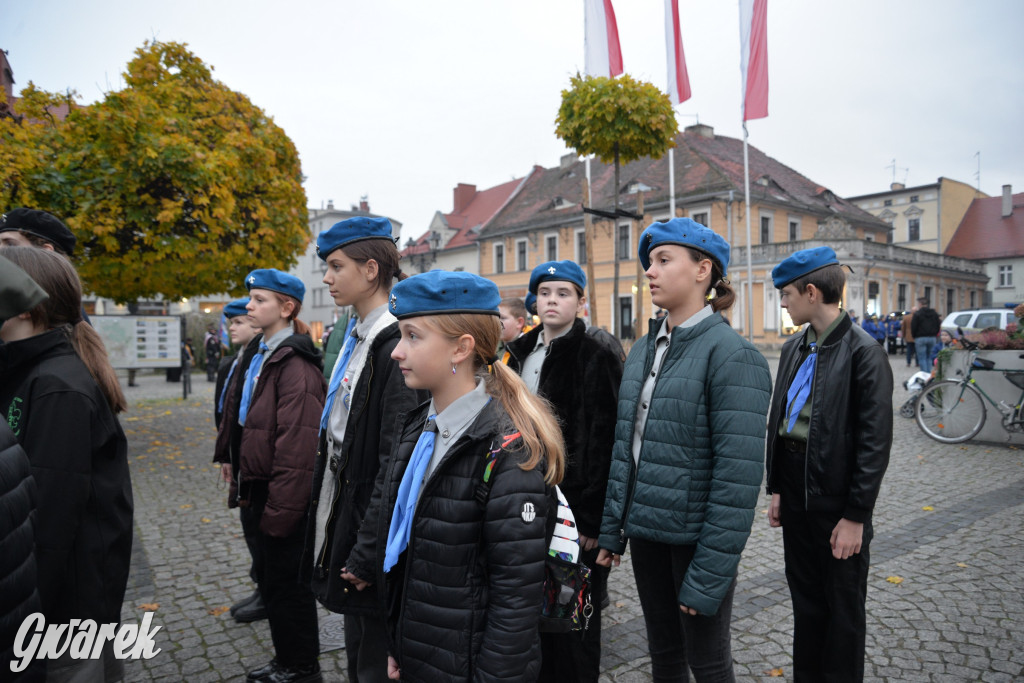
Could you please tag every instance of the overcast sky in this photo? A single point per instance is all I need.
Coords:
(401, 100)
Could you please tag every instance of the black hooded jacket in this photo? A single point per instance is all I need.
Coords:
(78, 454)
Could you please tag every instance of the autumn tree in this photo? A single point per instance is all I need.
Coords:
(619, 120)
(175, 186)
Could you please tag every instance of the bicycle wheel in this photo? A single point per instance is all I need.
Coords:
(950, 411)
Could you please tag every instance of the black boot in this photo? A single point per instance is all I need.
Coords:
(244, 601)
(263, 673)
(254, 611)
(296, 674)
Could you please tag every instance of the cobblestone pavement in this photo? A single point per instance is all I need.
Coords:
(944, 596)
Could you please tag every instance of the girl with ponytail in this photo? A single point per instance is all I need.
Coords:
(60, 397)
(462, 545)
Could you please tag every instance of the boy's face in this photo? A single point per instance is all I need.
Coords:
(798, 304)
(557, 304)
(240, 330)
(510, 326)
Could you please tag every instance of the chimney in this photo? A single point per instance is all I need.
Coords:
(364, 203)
(464, 194)
(897, 186)
(1007, 201)
(330, 205)
(701, 129)
(567, 160)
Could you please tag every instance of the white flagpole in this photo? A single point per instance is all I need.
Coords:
(750, 279)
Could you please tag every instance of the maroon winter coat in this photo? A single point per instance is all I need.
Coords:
(279, 439)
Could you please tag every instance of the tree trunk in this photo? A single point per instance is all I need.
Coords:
(616, 309)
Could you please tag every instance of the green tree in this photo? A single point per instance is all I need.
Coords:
(618, 120)
(175, 186)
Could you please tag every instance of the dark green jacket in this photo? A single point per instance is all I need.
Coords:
(702, 457)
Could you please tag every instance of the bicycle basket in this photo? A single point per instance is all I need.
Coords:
(1015, 378)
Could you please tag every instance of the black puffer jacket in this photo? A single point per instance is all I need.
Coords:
(580, 378)
(465, 595)
(229, 432)
(850, 433)
(79, 461)
(18, 595)
(380, 397)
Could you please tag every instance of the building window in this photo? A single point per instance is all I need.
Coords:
(766, 230)
(889, 235)
(794, 230)
(700, 217)
(521, 261)
(928, 295)
(869, 237)
(887, 202)
(499, 258)
(622, 244)
(901, 297)
(551, 247)
(974, 299)
(950, 300)
(913, 199)
(625, 317)
(914, 229)
(1006, 276)
(581, 247)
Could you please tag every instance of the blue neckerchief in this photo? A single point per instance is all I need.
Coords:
(339, 371)
(250, 382)
(408, 493)
(800, 389)
(227, 383)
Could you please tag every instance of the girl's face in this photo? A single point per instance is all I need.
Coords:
(241, 331)
(266, 312)
(674, 278)
(557, 304)
(423, 354)
(348, 280)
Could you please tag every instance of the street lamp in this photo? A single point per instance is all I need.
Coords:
(423, 260)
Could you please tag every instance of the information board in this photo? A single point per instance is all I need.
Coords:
(135, 341)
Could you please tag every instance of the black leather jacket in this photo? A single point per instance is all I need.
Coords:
(850, 432)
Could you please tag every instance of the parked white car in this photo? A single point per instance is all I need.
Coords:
(978, 319)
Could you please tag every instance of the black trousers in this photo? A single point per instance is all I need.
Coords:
(291, 606)
(575, 656)
(366, 644)
(828, 598)
(251, 533)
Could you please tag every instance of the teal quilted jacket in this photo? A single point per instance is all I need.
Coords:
(702, 458)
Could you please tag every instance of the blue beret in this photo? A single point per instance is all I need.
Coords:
(276, 281)
(687, 233)
(531, 303)
(562, 271)
(801, 263)
(352, 230)
(442, 291)
(236, 308)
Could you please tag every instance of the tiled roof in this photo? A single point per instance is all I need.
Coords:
(468, 222)
(985, 234)
(704, 167)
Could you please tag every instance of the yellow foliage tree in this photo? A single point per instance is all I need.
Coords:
(175, 186)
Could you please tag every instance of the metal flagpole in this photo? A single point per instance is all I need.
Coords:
(750, 280)
(671, 184)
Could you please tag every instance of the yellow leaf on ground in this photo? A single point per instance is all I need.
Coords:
(185, 506)
(895, 579)
(206, 520)
(927, 508)
(774, 673)
(217, 611)
(150, 606)
(961, 565)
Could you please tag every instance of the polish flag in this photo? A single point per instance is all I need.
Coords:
(603, 57)
(754, 57)
(678, 80)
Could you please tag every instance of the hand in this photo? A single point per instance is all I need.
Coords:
(393, 671)
(606, 558)
(846, 539)
(354, 580)
(774, 507)
(225, 472)
(688, 610)
(587, 542)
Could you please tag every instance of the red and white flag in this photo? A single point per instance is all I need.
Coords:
(678, 80)
(754, 57)
(603, 57)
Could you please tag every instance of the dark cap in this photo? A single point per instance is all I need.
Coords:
(18, 292)
(41, 224)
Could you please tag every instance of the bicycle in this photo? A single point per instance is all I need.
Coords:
(953, 410)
